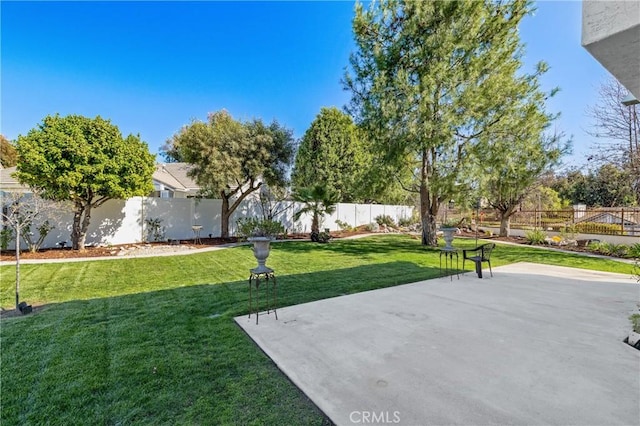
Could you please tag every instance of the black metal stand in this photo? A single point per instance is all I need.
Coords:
(271, 285)
(448, 261)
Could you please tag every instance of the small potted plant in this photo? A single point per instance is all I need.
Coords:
(260, 232)
(449, 228)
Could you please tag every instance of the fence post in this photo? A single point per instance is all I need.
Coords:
(142, 238)
(622, 221)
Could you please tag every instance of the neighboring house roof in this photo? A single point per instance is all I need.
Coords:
(8, 182)
(174, 176)
(606, 217)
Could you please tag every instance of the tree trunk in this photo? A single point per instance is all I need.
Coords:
(81, 220)
(85, 226)
(315, 222)
(227, 210)
(429, 237)
(224, 216)
(505, 218)
(505, 223)
(17, 266)
(75, 228)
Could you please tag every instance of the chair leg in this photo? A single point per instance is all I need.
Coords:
(463, 259)
(489, 262)
(479, 268)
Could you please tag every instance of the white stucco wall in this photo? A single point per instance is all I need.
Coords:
(123, 222)
(611, 33)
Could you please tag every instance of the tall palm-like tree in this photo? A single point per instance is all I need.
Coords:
(318, 200)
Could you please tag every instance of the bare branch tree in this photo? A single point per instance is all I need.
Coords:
(273, 201)
(617, 127)
(20, 212)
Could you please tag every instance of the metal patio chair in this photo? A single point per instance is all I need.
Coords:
(478, 255)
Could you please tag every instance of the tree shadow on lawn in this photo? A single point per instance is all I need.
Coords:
(375, 244)
(170, 356)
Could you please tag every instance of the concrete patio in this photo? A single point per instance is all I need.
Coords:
(535, 344)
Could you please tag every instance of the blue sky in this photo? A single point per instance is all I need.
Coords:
(151, 67)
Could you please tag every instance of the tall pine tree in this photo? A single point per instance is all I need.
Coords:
(331, 152)
(428, 79)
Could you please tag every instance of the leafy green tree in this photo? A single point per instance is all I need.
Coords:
(512, 163)
(8, 153)
(607, 186)
(86, 161)
(318, 200)
(231, 159)
(332, 152)
(569, 186)
(384, 184)
(429, 79)
(170, 153)
(542, 197)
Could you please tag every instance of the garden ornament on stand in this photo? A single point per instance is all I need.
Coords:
(261, 249)
(448, 229)
(260, 232)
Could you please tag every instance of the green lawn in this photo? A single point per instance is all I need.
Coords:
(152, 340)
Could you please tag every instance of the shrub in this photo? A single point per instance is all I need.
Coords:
(611, 249)
(537, 236)
(320, 237)
(344, 225)
(597, 228)
(384, 219)
(635, 320)
(634, 251)
(619, 250)
(254, 227)
(568, 232)
(43, 231)
(405, 221)
(450, 223)
(408, 221)
(155, 230)
(594, 246)
(6, 236)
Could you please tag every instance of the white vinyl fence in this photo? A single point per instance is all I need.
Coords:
(124, 221)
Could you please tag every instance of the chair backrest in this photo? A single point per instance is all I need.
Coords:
(486, 251)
